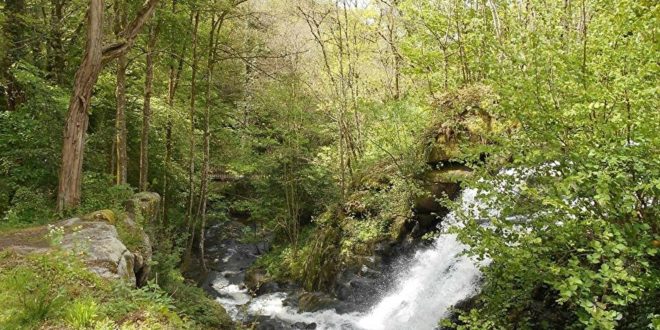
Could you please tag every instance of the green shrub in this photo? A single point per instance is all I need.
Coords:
(28, 207)
(99, 192)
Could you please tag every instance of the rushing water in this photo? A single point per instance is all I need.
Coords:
(426, 286)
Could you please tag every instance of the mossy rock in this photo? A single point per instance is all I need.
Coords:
(314, 301)
(254, 278)
(398, 229)
(102, 215)
(463, 116)
(143, 206)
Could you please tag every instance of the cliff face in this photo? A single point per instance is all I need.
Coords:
(114, 246)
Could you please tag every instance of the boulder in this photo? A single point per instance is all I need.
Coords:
(112, 247)
(144, 205)
(255, 278)
(464, 116)
(142, 209)
(440, 183)
(100, 247)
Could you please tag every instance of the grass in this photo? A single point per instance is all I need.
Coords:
(56, 291)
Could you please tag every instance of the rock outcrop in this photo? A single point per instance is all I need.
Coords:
(465, 121)
(111, 246)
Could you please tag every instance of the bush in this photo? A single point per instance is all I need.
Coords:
(99, 192)
(28, 207)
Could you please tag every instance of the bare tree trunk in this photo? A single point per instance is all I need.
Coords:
(121, 171)
(146, 110)
(68, 193)
(215, 24)
(191, 161)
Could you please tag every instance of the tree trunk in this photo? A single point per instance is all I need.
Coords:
(68, 193)
(146, 110)
(121, 169)
(56, 59)
(172, 85)
(191, 160)
(215, 25)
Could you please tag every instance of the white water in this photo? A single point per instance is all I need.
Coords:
(437, 279)
(426, 287)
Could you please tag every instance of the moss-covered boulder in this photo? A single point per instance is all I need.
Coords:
(113, 246)
(464, 117)
(254, 278)
(142, 209)
(439, 184)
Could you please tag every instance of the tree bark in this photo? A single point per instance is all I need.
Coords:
(215, 25)
(146, 110)
(68, 193)
(121, 171)
(190, 224)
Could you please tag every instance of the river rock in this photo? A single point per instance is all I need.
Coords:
(304, 326)
(314, 301)
(254, 278)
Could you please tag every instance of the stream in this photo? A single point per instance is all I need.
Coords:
(424, 287)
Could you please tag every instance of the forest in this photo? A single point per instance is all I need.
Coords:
(329, 164)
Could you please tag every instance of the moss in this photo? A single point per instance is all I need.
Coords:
(130, 237)
(398, 228)
(143, 207)
(102, 215)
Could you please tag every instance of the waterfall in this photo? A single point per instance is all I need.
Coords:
(426, 286)
(437, 279)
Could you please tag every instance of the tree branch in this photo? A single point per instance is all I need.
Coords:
(120, 47)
